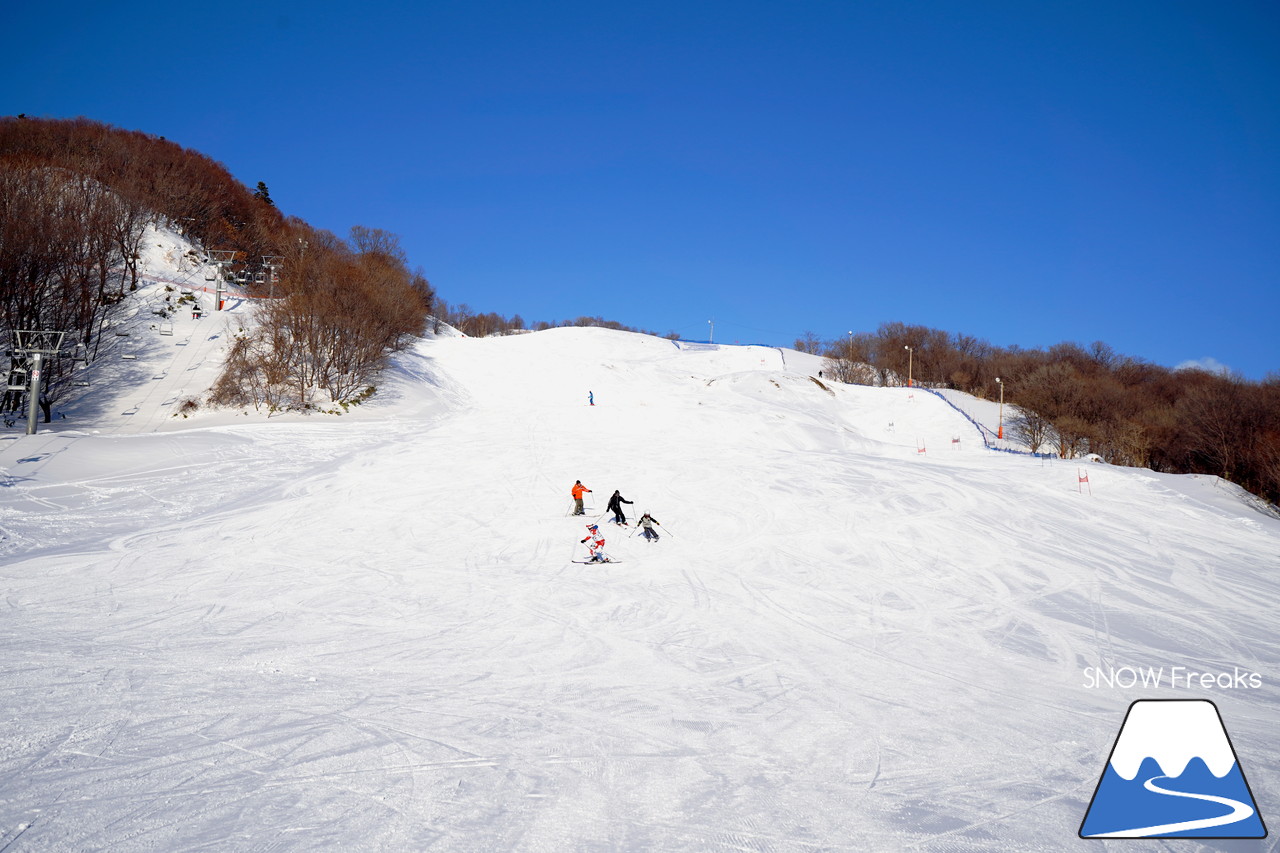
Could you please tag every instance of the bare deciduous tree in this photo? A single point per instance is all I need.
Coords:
(1029, 428)
(808, 342)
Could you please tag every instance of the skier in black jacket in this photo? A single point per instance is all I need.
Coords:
(615, 507)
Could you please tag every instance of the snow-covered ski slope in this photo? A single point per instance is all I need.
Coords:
(367, 632)
(164, 346)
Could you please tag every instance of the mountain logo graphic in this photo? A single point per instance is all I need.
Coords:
(1173, 773)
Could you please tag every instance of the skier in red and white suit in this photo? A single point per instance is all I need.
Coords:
(595, 544)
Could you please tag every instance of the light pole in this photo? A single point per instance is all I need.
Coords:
(712, 339)
(910, 357)
(1000, 429)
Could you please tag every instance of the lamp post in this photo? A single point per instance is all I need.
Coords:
(712, 339)
(910, 358)
(1000, 429)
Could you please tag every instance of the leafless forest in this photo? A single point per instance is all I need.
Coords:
(1075, 399)
(76, 197)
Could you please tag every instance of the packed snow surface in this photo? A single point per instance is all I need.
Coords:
(860, 630)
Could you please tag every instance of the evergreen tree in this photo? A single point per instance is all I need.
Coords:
(263, 194)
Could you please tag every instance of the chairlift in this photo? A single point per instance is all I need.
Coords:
(18, 379)
(166, 328)
(81, 383)
(259, 278)
(210, 273)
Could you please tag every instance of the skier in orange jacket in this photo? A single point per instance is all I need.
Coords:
(577, 491)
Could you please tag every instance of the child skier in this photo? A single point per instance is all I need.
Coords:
(646, 523)
(595, 544)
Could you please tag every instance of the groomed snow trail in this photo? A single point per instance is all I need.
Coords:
(369, 634)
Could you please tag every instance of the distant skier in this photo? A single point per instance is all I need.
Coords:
(591, 398)
(647, 523)
(595, 544)
(615, 507)
(577, 491)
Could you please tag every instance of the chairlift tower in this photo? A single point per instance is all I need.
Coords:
(29, 349)
(220, 259)
(273, 264)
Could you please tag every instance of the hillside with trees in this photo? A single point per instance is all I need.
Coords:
(1075, 400)
(77, 197)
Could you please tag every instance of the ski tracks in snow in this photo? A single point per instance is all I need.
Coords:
(375, 638)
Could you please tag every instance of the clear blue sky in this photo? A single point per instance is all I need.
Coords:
(1027, 173)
